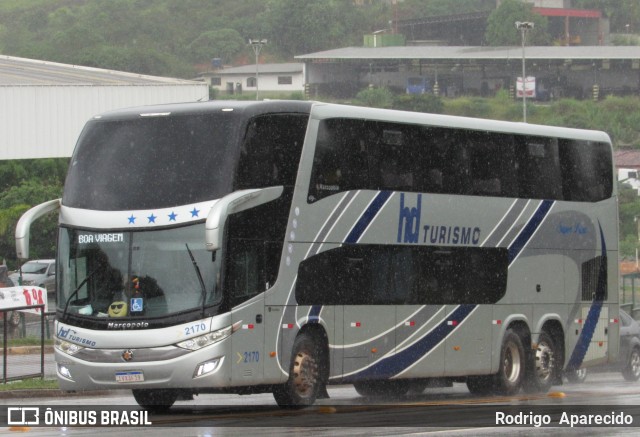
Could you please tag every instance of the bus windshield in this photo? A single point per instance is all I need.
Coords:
(152, 162)
(135, 274)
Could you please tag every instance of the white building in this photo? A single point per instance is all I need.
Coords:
(286, 77)
(44, 105)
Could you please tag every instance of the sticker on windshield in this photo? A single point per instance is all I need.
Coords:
(100, 238)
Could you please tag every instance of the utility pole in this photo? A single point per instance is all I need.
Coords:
(523, 27)
(256, 45)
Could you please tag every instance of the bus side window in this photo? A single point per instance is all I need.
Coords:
(245, 270)
(270, 150)
(340, 162)
(538, 168)
(586, 170)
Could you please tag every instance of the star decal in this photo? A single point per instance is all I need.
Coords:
(194, 212)
(172, 216)
(132, 219)
(152, 218)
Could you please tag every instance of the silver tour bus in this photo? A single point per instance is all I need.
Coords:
(246, 247)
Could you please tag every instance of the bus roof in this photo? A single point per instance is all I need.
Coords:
(211, 106)
(323, 111)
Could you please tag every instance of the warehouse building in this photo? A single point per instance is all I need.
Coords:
(44, 105)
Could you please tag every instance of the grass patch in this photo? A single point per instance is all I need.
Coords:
(27, 341)
(30, 384)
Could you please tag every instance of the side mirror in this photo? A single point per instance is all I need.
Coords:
(24, 225)
(231, 203)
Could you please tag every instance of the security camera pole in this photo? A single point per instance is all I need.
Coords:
(257, 44)
(523, 27)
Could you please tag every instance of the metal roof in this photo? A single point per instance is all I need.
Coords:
(287, 67)
(627, 158)
(29, 72)
(475, 53)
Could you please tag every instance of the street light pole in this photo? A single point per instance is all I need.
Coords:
(256, 45)
(523, 26)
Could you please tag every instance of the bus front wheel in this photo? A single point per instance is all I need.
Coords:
(158, 400)
(512, 364)
(305, 378)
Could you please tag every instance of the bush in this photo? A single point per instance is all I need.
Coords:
(419, 103)
(375, 98)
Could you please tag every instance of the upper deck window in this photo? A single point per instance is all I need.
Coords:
(354, 154)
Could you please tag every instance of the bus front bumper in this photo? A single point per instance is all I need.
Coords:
(149, 368)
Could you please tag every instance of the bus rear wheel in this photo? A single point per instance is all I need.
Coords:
(155, 400)
(394, 388)
(305, 378)
(512, 365)
(631, 372)
(541, 368)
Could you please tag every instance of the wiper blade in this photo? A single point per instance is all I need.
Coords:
(203, 289)
(75, 292)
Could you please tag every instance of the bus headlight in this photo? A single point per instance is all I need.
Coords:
(205, 340)
(66, 347)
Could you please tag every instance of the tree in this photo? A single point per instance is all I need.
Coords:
(221, 43)
(501, 28)
(429, 8)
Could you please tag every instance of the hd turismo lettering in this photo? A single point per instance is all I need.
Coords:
(409, 228)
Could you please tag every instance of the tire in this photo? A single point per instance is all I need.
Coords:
(481, 385)
(511, 370)
(541, 366)
(158, 400)
(631, 371)
(305, 375)
(577, 376)
(393, 388)
(14, 318)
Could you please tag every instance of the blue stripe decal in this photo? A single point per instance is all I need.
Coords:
(314, 314)
(392, 365)
(593, 316)
(529, 229)
(368, 215)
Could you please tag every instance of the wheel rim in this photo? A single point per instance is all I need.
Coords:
(512, 363)
(634, 363)
(305, 374)
(545, 362)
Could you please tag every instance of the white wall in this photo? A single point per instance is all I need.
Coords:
(267, 82)
(45, 121)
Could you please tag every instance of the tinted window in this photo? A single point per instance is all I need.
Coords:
(152, 162)
(381, 275)
(270, 151)
(360, 154)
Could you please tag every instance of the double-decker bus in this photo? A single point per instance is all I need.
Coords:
(246, 247)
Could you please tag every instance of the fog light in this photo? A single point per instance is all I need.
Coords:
(64, 371)
(207, 367)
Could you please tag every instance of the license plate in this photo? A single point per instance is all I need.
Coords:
(132, 376)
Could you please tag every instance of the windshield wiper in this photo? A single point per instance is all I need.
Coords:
(75, 292)
(202, 286)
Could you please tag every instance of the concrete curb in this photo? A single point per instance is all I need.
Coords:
(51, 393)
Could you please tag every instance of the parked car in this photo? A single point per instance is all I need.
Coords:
(629, 358)
(35, 272)
(50, 285)
(5, 281)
